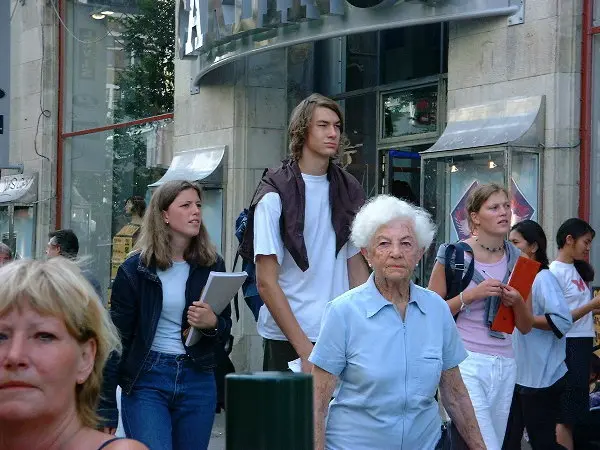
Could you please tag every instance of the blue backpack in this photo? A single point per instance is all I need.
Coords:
(249, 288)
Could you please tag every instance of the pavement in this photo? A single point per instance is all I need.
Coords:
(217, 437)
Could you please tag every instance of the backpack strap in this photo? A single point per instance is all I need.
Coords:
(236, 301)
(457, 278)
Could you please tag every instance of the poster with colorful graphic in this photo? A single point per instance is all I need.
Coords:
(520, 206)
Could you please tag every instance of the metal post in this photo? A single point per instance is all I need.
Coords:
(12, 239)
(269, 411)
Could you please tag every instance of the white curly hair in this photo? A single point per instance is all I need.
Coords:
(383, 209)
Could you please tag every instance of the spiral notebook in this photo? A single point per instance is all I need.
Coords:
(219, 290)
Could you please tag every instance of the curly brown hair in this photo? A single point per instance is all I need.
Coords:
(300, 121)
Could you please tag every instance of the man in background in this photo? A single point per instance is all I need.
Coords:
(65, 243)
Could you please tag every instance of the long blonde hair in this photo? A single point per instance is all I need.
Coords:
(56, 287)
(154, 243)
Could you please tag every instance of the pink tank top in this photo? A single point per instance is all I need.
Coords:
(470, 324)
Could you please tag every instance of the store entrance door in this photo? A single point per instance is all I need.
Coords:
(400, 177)
(401, 173)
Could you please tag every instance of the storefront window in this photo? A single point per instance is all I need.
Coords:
(361, 61)
(104, 170)
(410, 112)
(413, 52)
(360, 159)
(99, 88)
(447, 183)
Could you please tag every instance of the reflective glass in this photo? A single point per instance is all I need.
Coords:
(410, 112)
(103, 170)
(103, 75)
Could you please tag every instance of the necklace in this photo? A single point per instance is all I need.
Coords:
(492, 249)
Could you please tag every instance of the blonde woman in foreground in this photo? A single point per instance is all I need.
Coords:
(55, 337)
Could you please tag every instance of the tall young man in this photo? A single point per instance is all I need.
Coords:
(298, 230)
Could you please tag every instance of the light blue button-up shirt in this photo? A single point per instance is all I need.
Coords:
(389, 368)
(540, 354)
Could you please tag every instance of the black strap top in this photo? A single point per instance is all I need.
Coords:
(108, 442)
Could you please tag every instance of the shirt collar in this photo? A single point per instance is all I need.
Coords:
(375, 301)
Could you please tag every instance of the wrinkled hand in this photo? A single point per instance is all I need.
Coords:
(510, 296)
(488, 288)
(596, 303)
(201, 315)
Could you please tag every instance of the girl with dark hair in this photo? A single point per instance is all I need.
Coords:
(540, 355)
(574, 239)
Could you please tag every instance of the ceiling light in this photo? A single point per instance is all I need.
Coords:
(453, 168)
(98, 16)
(107, 13)
(492, 164)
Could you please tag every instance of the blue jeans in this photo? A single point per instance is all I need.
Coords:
(172, 404)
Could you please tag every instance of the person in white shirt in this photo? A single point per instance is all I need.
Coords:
(300, 221)
(574, 239)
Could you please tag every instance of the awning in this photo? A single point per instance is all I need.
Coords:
(518, 122)
(218, 32)
(21, 189)
(197, 164)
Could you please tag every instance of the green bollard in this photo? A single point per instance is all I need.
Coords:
(269, 411)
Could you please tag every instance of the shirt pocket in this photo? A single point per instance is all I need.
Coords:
(427, 370)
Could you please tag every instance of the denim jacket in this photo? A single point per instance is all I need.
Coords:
(136, 305)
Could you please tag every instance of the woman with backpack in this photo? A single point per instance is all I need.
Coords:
(490, 371)
(540, 355)
(574, 240)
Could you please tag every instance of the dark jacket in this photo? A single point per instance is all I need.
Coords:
(346, 196)
(136, 305)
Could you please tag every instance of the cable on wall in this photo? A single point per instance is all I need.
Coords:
(67, 29)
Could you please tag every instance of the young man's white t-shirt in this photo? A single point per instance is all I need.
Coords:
(577, 294)
(327, 276)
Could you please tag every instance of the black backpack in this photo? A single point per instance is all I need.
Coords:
(457, 276)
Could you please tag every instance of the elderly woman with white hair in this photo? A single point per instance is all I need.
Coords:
(390, 344)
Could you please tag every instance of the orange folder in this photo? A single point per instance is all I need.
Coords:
(521, 279)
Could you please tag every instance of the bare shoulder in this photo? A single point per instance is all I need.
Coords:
(126, 444)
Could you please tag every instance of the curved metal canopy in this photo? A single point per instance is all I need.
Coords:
(515, 121)
(21, 189)
(196, 164)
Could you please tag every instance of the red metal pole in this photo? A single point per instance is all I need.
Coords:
(585, 151)
(59, 118)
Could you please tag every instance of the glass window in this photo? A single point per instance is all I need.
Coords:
(112, 58)
(102, 170)
(24, 227)
(447, 183)
(410, 112)
(524, 186)
(361, 61)
(413, 52)
(596, 6)
(360, 159)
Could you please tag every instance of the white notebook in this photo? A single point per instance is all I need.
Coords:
(218, 292)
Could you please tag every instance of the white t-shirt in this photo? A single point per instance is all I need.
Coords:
(577, 294)
(327, 276)
(167, 338)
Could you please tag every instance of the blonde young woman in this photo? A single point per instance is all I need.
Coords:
(169, 391)
(55, 337)
(490, 371)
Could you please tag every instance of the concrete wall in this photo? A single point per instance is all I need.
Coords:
(488, 60)
(244, 106)
(34, 80)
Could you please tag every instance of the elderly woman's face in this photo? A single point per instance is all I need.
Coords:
(394, 251)
(40, 365)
